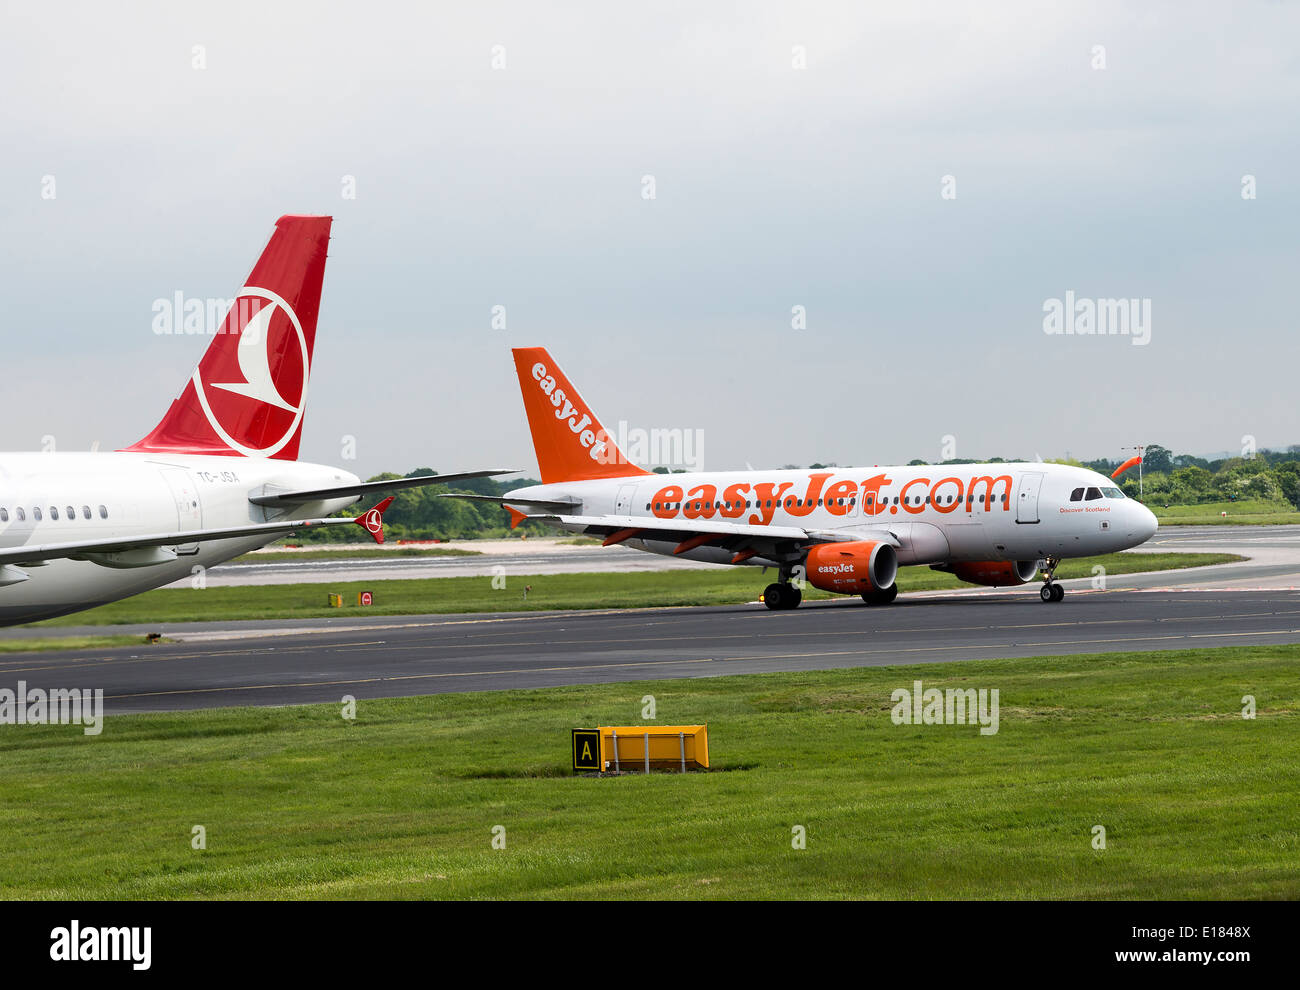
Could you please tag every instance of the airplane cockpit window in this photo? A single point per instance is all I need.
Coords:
(1076, 495)
(1093, 493)
(1112, 493)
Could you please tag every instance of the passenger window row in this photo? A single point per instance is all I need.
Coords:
(20, 513)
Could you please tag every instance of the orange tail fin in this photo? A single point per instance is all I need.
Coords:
(570, 442)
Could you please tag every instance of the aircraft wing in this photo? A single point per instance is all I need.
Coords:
(688, 533)
(278, 499)
(664, 529)
(109, 552)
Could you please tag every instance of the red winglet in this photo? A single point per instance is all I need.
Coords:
(516, 517)
(372, 521)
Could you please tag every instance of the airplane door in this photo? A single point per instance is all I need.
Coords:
(1027, 498)
(623, 504)
(189, 514)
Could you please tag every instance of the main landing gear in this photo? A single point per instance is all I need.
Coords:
(782, 595)
(1051, 591)
(882, 597)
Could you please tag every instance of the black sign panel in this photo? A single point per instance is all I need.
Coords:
(586, 750)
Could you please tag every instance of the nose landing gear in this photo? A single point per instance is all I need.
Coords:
(1051, 591)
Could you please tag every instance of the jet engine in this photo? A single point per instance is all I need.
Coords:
(993, 573)
(852, 568)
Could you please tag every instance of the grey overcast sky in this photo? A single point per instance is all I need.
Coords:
(776, 186)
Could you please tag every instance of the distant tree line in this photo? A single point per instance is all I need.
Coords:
(1167, 479)
(421, 514)
(1183, 479)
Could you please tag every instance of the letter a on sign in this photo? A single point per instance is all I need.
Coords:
(586, 750)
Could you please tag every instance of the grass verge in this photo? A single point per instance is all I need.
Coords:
(67, 643)
(1246, 512)
(1196, 801)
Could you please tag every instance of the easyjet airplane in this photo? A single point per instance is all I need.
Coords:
(217, 477)
(844, 530)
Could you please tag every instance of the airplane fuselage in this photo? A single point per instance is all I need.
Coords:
(63, 497)
(937, 514)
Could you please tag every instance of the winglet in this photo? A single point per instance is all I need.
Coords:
(372, 520)
(516, 517)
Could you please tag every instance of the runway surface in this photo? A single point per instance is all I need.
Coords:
(400, 656)
(284, 662)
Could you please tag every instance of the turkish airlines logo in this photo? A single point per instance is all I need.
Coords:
(254, 394)
(373, 521)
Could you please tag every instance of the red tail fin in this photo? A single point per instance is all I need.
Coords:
(571, 444)
(248, 394)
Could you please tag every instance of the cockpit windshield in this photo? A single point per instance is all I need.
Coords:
(1092, 494)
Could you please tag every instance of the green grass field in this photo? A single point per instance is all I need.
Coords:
(1247, 512)
(67, 643)
(553, 591)
(1196, 801)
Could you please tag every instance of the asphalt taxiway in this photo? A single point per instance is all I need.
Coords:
(284, 662)
(298, 663)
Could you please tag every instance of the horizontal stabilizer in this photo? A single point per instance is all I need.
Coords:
(540, 504)
(369, 488)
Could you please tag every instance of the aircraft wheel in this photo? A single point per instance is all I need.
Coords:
(1047, 592)
(881, 597)
(793, 597)
(1058, 592)
(774, 596)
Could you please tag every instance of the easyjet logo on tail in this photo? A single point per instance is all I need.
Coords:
(596, 444)
(570, 442)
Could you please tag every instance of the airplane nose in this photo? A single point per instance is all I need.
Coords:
(1147, 523)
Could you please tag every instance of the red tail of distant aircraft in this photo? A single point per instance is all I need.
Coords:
(217, 477)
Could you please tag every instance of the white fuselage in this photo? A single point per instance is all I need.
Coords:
(937, 514)
(57, 497)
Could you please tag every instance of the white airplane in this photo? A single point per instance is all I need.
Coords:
(217, 477)
(844, 530)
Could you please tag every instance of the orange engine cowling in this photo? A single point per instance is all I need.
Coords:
(995, 573)
(852, 568)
